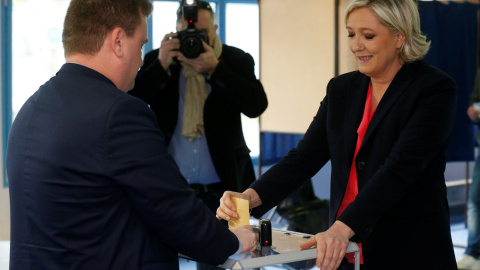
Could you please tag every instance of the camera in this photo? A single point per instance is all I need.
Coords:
(191, 38)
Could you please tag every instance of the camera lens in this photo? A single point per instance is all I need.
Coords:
(191, 43)
(191, 47)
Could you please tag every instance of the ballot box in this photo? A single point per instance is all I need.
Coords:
(285, 253)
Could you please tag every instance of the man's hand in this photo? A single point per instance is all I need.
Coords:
(472, 113)
(248, 238)
(331, 245)
(168, 50)
(206, 62)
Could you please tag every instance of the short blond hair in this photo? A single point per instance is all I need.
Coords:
(400, 17)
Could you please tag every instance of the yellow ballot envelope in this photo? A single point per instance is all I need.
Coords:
(243, 214)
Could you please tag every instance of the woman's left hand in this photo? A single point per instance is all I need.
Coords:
(331, 245)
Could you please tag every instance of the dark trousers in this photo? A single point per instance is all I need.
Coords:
(211, 199)
(210, 195)
(350, 266)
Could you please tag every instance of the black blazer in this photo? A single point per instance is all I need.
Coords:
(88, 190)
(235, 90)
(401, 214)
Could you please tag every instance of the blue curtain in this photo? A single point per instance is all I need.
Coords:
(274, 146)
(452, 29)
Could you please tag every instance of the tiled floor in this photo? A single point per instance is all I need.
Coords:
(459, 236)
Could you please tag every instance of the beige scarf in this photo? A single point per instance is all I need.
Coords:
(195, 95)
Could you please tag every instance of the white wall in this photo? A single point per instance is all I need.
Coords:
(297, 49)
(4, 199)
(4, 214)
(297, 61)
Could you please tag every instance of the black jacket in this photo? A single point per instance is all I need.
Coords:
(400, 214)
(235, 90)
(88, 190)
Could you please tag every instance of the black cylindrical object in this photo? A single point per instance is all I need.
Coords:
(265, 232)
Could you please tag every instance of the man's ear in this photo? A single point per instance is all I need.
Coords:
(117, 41)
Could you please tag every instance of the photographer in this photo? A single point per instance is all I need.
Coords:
(198, 104)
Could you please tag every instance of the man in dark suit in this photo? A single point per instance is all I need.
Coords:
(198, 103)
(87, 189)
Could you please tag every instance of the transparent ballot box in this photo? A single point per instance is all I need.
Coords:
(285, 253)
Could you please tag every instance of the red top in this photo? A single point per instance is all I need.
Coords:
(352, 185)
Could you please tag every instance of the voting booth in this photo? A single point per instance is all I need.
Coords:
(285, 252)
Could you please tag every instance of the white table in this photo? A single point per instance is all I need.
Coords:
(285, 249)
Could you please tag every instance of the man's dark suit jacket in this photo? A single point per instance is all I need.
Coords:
(235, 90)
(400, 214)
(93, 187)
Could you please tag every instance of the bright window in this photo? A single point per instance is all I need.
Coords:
(37, 50)
(244, 34)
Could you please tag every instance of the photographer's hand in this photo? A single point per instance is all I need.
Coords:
(168, 50)
(206, 62)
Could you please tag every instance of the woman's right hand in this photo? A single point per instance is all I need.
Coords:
(227, 209)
